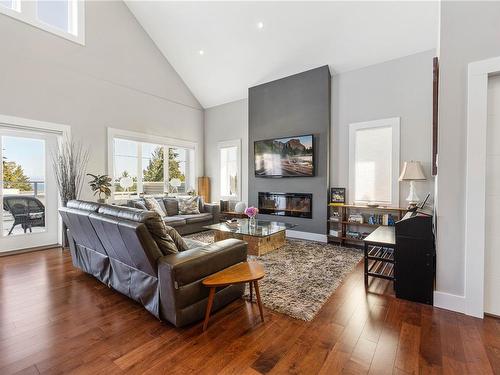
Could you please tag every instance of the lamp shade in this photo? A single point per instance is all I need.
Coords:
(126, 182)
(175, 182)
(412, 170)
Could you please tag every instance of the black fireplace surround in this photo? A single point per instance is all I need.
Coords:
(286, 204)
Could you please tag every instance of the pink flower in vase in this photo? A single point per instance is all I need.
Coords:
(251, 212)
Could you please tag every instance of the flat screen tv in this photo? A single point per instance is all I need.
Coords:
(285, 157)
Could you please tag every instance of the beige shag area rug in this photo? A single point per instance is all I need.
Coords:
(301, 275)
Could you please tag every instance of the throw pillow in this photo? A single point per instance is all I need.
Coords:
(158, 230)
(162, 206)
(171, 206)
(153, 205)
(179, 241)
(188, 205)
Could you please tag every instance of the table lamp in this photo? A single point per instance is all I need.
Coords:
(175, 183)
(126, 183)
(412, 171)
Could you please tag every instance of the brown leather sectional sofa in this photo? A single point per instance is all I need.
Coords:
(113, 244)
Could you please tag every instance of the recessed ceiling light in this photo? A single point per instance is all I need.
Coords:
(201, 52)
(260, 25)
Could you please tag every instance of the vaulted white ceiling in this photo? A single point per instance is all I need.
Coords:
(295, 36)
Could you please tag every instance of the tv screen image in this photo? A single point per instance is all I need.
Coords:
(285, 157)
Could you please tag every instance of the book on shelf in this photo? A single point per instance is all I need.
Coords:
(355, 235)
(334, 233)
(382, 219)
(356, 218)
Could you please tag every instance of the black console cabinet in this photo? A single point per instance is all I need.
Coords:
(414, 258)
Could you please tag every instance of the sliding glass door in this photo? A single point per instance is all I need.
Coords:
(27, 190)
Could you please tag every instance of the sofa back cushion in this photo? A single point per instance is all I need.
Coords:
(124, 212)
(83, 205)
(201, 204)
(114, 231)
(127, 242)
(189, 205)
(76, 217)
(151, 219)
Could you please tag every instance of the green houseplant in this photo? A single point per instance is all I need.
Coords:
(100, 184)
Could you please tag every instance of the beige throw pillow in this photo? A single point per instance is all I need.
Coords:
(178, 240)
(158, 230)
(153, 205)
(188, 205)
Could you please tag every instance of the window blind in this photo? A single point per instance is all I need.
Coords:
(373, 164)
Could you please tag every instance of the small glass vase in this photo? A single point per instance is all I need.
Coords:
(252, 222)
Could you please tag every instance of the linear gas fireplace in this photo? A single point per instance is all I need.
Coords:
(286, 204)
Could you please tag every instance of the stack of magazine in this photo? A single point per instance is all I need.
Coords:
(232, 223)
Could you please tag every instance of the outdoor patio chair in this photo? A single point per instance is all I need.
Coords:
(28, 212)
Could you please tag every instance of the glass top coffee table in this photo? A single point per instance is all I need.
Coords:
(262, 238)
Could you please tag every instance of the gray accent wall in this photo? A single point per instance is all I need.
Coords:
(118, 79)
(291, 106)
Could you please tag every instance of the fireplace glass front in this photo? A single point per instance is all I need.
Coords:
(286, 204)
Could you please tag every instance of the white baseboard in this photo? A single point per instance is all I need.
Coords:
(306, 236)
(449, 301)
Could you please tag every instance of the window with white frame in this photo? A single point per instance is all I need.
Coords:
(374, 162)
(179, 169)
(139, 165)
(125, 165)
(61, 17)
(10, 4)
(230, 169)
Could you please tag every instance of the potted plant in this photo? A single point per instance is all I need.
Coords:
(100, 184)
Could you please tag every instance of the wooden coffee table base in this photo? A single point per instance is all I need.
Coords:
(242, 273)
(256, 245)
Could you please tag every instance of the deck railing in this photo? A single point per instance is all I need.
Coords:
(37, 188)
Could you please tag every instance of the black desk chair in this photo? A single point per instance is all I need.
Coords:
(28, 212)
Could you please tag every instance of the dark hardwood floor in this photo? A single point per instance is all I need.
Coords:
(55, 319)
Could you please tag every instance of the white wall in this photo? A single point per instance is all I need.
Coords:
(401, 87)
(224, 123)
(469, 32)
(118, 79)
(397, 88)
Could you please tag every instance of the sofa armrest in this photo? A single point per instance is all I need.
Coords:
(214, 209)
(193, 265)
